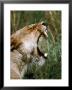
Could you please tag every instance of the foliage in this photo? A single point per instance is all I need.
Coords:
(52, 67)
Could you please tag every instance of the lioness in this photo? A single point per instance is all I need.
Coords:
(25, 41)
(27, 38)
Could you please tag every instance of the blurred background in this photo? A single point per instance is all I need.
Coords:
(52, 67)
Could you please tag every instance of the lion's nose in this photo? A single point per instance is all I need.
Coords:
(45, 33)
(45, 24)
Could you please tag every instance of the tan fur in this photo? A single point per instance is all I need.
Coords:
(27, 37)
(25, 40)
